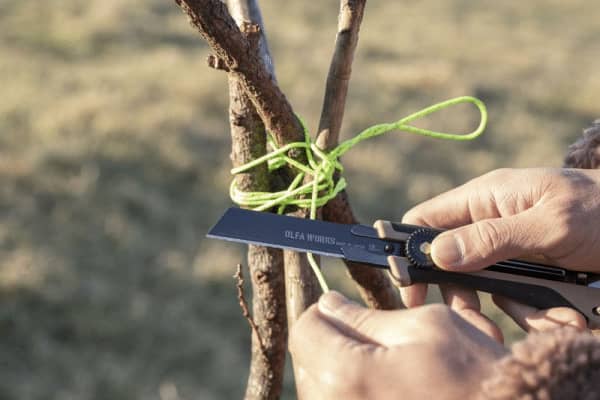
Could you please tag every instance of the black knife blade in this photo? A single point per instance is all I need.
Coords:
(399, 246)
(312, 236)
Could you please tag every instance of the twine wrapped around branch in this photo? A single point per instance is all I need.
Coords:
(321, 166)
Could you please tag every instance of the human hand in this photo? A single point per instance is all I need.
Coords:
(343, 351)
(554, 213)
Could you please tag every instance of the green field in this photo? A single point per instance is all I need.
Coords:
(114, 163)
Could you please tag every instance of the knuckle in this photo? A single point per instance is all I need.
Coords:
(488, 238)
(509, 202)
(546, 182)
(499, 174)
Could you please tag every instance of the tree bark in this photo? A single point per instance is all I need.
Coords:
(214, 23)
(248, 142)
(249, 11)
(217, 27)
(340, 70)
(374, 285)
(256, 105)
(265, 264)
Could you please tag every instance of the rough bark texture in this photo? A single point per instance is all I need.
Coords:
(374, 285)
(249, 11)
(340, 69)
(265, 379)
(218, 28)
(265, 264)
(248, 142)
(257, 104)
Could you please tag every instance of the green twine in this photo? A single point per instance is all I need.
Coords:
(322, 187)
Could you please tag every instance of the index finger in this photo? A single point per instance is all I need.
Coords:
(533, 319)
(500, 193)
(447, 210)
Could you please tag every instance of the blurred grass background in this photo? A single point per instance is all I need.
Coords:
(114, 163)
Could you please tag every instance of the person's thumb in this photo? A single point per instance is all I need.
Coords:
(478, 245)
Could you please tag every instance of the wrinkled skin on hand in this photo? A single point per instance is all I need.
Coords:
(553, 213)
(343, 351)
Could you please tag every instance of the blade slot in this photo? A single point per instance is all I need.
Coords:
(532, 270)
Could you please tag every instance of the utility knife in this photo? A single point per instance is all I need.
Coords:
(404, 250)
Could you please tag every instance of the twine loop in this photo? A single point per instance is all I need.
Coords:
(321, 166)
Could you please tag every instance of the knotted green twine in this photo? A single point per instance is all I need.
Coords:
(322, 166)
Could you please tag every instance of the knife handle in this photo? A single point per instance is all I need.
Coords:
(536, 285)
(536, 292)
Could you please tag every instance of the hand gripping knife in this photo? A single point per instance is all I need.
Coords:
(404, 250)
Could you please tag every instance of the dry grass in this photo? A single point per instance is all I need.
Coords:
(113, 164)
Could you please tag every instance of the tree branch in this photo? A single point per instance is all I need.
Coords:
(340, 69)
(374, 285)
(265, 264)
(248, 10)
(248, 142)
(265, 379)
(239, 285)
(217, 27)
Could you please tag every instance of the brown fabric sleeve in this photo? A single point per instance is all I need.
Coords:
(585, 152)
(561, 364)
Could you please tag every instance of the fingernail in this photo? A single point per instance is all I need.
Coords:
(330, 302)
(446, 251)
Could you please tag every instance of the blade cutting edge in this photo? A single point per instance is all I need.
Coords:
(265, 229)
